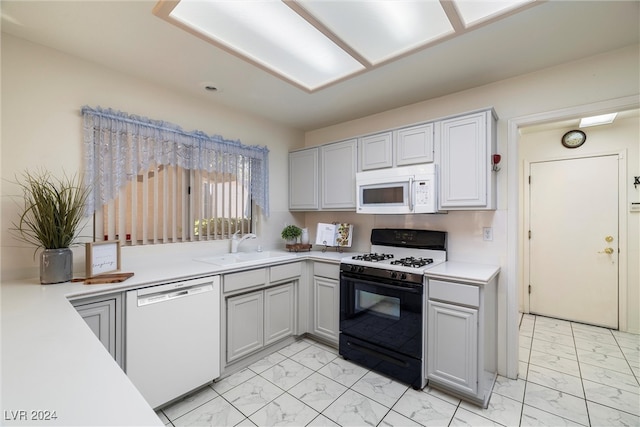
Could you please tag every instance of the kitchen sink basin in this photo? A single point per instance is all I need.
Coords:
(246, 258)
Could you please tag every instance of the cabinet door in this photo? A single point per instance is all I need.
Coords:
(452, 346)
(279, 313)
(244, 324)
(464, 163)
(103, 319)
(339, 175)
(326, 308)
(376, 151)
(303, 180)
(414, 145)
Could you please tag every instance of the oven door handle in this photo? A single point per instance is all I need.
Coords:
(410, 289)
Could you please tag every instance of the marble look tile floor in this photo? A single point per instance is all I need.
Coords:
(570, 374)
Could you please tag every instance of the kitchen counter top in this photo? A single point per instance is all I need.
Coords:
(479, 274)
(52, 361)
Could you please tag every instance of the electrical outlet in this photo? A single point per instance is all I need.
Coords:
(487, 234)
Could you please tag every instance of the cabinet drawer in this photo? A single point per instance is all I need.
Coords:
(244, 279)
(286, 271)
(323, 269)
(456, 293)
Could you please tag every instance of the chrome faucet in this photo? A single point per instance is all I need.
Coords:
(235, 241)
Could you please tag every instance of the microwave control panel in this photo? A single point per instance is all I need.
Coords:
(423, 193)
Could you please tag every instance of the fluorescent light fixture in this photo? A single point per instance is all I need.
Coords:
(271, 35)
(474, 11)
(603, 119)
(315, 43)
(380, 30)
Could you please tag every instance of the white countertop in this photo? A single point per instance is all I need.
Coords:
(478, 274)
(52, 361)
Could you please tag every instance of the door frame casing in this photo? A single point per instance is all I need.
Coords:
(622, 225)
(515, 238)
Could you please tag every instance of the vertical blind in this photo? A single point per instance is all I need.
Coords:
(163, 184)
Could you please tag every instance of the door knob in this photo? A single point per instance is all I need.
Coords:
(609, 239)
(608, 251)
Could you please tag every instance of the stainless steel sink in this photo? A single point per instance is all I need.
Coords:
(248, 258)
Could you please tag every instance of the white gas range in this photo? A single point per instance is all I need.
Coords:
(399, 254)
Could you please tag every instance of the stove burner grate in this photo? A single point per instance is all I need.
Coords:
(413, 262)
(373, 257)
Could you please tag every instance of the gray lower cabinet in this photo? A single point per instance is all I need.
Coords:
(326, 301)
(279, 313)
(260, 308)
(461, 338)
(245, 314)
(259, 318)
(104, 317)
(453, 346)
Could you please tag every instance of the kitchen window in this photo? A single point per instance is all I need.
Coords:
(154, 183)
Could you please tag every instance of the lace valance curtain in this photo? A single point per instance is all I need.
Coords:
(119, 146)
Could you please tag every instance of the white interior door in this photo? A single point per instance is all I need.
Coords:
(573, 245)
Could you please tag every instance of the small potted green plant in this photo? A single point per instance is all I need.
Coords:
(51, 219)
(290, 234)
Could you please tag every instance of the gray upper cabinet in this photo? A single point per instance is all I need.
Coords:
(338, 171)
(400, 147)
(323, 178)
(466, 145)
(304, 180)
(414, 144)
(376, 151)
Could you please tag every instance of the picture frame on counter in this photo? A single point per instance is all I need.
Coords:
(102, 257)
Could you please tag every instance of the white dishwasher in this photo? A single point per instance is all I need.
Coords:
(173, 338)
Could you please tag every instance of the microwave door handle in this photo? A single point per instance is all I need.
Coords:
(411, 184)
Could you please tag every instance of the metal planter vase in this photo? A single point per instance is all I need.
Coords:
(56, 266)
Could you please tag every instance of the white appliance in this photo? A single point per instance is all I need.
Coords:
(173, 338)
(402, 190)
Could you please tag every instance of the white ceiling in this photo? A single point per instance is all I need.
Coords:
(126, 36)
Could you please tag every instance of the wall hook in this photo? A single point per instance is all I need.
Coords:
(636, 181)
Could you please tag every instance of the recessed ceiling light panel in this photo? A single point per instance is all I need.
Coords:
(315, 43)
(380, 30)
(272, 35)
(603, 119)
(475, 11)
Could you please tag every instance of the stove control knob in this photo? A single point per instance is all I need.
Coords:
(394, 275)
(403, 276)
(360, 269)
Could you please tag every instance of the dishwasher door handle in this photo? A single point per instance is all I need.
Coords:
(167, 296)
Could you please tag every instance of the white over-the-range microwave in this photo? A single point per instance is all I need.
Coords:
(400, 190)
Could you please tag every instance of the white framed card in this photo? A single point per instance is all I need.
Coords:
(102, 257)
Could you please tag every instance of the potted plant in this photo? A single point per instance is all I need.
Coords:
(50, 219)
(290, 234)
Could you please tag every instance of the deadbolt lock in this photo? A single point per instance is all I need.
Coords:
(609, 239)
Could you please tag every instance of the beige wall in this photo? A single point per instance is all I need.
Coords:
(42, 93)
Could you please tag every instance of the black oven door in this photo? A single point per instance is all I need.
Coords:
(381, 326)
(382, 312)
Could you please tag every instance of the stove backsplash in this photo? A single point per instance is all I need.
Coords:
(464, 231)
